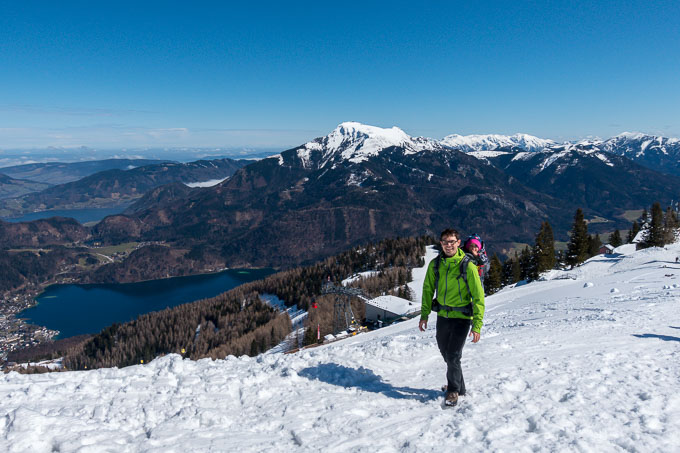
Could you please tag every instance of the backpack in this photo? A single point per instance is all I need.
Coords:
(436, 306)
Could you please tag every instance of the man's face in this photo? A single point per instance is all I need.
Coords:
(449, 245)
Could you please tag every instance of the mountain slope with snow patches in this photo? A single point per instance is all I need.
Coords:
(586, 360)
(658, 153)
(492, 142)
(588, 177)
(636, 144)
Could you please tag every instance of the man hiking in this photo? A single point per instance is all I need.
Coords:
(459, 303)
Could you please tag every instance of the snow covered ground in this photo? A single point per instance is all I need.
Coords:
(358, 276)
(209, 183)
(588, 360)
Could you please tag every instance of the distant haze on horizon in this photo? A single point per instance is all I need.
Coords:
(243, 147)
(272, 76)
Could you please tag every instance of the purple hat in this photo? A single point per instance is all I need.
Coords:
(473, 241)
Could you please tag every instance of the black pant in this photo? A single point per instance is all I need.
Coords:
(451, 335)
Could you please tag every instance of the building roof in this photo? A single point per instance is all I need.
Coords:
(608, 247)
(394, 304)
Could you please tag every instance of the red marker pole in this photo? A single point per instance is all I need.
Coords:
(318, 332)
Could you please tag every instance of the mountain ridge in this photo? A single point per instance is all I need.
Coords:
(117, 187)
(12, 187)
(345, 189)
(64, 172)
(314, 201)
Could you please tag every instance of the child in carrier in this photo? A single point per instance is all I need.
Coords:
(474, 248)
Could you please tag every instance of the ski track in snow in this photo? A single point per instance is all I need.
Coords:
(560, 367)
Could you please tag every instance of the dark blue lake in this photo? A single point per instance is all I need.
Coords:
(81, 309)
(81, 215)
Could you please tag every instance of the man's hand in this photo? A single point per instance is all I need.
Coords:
(475, 336)
(422, 325)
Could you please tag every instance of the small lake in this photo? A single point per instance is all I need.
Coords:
(82, 309)
(81, 215)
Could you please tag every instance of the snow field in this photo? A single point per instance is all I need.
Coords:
(561, 367)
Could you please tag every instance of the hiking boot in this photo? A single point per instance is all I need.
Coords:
(445, 388)
(451, 399)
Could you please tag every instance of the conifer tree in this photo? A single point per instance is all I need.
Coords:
(594, 244)
(656, 233)
(634, 230)
(507, 272)
(577, 249)
(615, 239)
(494, 281)
(544, 250)
(670, 225)
(512, 271)
(516, 269)
(527, 266)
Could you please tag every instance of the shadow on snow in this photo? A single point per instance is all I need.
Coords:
(660, 337)
(366, 380)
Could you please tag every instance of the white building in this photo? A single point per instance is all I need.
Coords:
(388, 308)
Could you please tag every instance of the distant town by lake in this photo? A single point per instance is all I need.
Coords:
(86, 309)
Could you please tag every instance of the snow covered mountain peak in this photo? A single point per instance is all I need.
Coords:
(356, 142)
(357, 131)
(630, 135)
(490, 142)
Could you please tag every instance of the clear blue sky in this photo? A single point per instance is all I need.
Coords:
(276, 74)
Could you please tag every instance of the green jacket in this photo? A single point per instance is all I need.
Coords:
(452, 290)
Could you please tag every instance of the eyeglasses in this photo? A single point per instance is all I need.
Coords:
(449, 242)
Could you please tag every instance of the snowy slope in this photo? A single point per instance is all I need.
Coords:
(587, 360)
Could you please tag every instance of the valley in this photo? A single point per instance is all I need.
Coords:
(356, 185)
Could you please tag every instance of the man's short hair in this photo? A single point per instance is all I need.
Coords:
(449, 232)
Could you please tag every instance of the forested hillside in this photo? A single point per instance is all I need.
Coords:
(34, 267)
(300, 285)
(238, 322)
